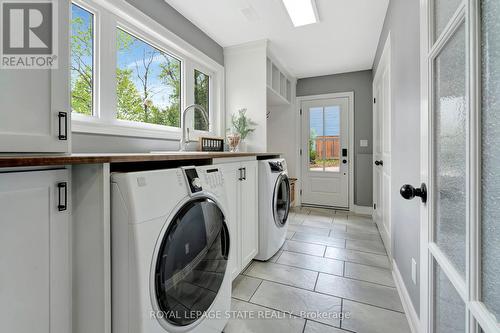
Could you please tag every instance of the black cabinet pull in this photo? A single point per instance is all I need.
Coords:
(244, 173)
(62, 189)
(409, 192)
(241, 174)
(379, 163)
(63, 118)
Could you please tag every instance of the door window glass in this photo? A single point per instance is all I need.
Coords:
(449, 307)
(450, 160)
(490, 155)
(324, 139)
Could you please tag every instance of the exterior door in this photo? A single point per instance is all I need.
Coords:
(325, 161)
(382, 146)
(460, 235)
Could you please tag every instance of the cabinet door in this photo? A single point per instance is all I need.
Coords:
(34, 253)
(232, 189)
(31, 100)
(249, 213)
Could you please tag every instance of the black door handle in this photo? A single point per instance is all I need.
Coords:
(379, 163)
(409, 192)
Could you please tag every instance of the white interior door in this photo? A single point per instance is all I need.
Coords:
(382, 147)
(460, 235)
(325, 158)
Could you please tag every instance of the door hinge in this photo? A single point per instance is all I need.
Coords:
(300, 152)
(300, 111)
(374, 206)
(300, 192)
(374, 100)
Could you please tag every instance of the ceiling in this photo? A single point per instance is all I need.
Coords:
(345, 39)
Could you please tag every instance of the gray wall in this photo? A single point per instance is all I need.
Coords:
(402, 21)
(171, 19)
(361, 84)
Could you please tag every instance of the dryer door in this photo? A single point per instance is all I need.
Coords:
(281, 200)
(191, 263)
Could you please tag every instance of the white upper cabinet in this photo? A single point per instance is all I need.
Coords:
(279, 85)
(35, 103)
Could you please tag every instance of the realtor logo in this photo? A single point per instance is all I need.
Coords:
(28, 34)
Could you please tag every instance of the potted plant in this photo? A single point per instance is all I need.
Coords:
(241, 127)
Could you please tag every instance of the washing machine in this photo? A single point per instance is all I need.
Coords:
(170, 251)
(274, 206)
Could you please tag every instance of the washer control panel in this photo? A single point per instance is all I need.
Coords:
(193, 180)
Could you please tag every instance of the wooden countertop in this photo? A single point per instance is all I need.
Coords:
(43, 160)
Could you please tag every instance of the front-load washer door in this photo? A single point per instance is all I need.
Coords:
(281, 200)
(191, 263)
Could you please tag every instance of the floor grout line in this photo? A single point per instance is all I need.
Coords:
(290, 313)
(253, 294)
(307, 213)
(325, 294)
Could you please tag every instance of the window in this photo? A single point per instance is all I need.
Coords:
(201, 97)
(82, 60)
(131, 77)
(148, 84)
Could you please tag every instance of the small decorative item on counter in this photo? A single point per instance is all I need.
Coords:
(211, 144)
(233, 140)
(241, 127)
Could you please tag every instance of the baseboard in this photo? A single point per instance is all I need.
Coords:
(362, 210)
(410, 312)
(386, 238)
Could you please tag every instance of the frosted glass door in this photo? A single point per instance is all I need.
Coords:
(461, 155)
(490, 210)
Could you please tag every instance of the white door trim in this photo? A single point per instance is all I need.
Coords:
(350, 96)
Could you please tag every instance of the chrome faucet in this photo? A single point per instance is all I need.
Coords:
(185, 130)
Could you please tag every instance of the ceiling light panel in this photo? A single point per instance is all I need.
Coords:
(301, 12)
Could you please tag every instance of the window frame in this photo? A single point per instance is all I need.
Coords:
(120, 15)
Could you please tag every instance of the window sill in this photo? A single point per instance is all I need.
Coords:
(88, 125)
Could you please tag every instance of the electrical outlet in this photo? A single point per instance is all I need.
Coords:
(413, 271)
(363, 143)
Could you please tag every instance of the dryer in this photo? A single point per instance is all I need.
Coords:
(274, 206)
(170, 251)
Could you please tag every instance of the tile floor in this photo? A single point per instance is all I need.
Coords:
(332, 275)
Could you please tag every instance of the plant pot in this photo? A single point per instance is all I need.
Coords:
(233, 140)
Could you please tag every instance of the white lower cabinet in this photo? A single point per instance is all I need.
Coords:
(241, 185)
(35, 288)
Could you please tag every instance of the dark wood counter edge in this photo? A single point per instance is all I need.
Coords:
(45, 160)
